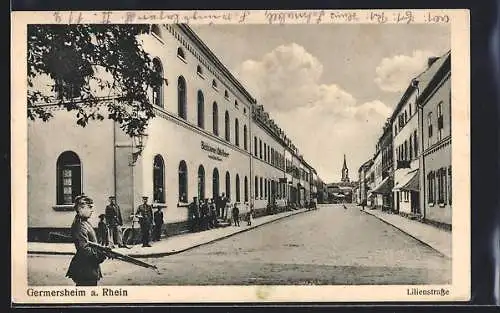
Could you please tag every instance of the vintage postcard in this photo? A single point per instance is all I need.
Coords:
(240, 156)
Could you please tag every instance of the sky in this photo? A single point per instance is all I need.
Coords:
(329, 87)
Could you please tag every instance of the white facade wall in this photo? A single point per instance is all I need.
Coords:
(403, 199)
(105, 151)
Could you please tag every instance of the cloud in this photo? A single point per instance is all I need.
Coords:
(323, 120)
(394, 74)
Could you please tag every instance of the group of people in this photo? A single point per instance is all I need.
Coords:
(109, 232)
(84, 268)
(204, 214)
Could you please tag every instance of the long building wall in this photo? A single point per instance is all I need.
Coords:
(105, 151)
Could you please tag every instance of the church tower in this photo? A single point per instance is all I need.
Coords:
(345, 172)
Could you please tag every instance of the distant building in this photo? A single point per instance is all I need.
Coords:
(345, 172)
(384, 173)
(363, 181)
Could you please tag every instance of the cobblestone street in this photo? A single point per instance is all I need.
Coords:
(331, 245)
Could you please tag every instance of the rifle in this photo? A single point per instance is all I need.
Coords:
(110, 253)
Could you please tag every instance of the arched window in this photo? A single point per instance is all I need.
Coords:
(158, 88)
(215, 119)
(181, 97)
(69, 177)
(246, 189)
(180, 53)
(265, 151)
(201, 110)
(226, 94)
(158, 179)
(183, 183)
(245, 135)
(256, 187)
(260, 148)
(201, 182)
(227, 126)
(236, 132)
(235, 104)
(155, 29)
(238, 188)
(199, 70)
(215, 183)
(228, 185)
(214, 84)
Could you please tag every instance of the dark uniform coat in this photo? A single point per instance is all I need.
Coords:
(85, 265)
(113, 215)
(146, 214)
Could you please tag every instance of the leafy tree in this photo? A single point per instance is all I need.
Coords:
(73, 56)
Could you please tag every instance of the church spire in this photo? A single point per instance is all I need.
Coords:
(345, 172)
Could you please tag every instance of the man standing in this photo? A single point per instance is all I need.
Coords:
(114, 221)
(145, 215)
(84, 269)
(194, 215)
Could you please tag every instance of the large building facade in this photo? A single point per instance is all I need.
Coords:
(435, 124)
(209, 136)
(405, 153)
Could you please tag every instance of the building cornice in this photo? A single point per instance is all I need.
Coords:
(213, 58)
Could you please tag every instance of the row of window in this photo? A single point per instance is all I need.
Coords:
(182, 110)
(409, 149)
(199, 70)
(439, 122)
(403, 118)
(439, 186)
(69, 182)
(268, 154)
(265, 188)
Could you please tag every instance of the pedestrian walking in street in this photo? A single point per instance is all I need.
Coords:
(102, 231)
(236, 215)
(114, 221)
(84, 268)
(158, 224)
(250, 215)
(145, 214)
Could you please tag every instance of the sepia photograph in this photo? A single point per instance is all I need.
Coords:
(240, 154)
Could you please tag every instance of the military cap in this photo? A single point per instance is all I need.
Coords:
(82, 200)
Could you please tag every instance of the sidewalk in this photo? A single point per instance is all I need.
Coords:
(170, 245)
(438, 239)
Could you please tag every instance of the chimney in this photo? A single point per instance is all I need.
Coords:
(431, 61)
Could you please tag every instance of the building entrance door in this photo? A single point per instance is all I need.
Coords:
(415, 202)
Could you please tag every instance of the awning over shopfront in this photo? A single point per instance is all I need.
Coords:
(409, 182)
(385, 187)
(413, 184)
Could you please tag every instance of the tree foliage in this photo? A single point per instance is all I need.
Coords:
(73, 55)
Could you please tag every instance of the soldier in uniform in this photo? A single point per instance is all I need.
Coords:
(145, 215)
(194, 215)
(84, 268)
(114, 221)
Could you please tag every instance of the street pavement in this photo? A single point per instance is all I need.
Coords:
(329, 246)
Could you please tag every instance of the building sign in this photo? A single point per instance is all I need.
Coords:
(217, 152)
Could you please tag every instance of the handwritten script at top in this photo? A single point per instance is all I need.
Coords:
(255, 17)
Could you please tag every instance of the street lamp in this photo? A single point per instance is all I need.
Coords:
(138, 143)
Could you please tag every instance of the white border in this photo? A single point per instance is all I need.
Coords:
(460, 63)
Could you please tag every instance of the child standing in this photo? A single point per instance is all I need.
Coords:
(102, 231)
